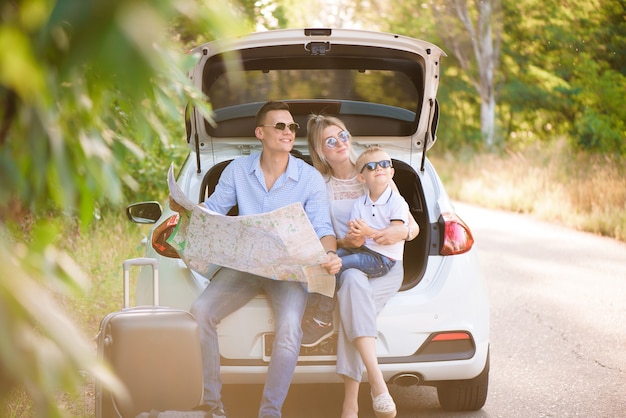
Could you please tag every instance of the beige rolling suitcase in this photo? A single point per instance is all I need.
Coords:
(154, 350)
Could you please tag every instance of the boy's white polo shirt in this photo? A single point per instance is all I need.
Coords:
(378, 215)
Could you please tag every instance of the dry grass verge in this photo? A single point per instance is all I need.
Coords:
(580, 191)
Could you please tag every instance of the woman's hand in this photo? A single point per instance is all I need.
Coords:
(352, 239)
(332, 263)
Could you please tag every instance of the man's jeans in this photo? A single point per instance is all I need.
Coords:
(228, 291)
(371, 263)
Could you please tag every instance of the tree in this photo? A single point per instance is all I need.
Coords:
(83, 85)
(473, 34)
(565, 71)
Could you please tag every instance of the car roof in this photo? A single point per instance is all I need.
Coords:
(382, 85)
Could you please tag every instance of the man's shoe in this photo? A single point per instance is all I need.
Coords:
(315, 331)
(211, 411)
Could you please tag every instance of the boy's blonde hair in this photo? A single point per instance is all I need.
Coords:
(366, 155)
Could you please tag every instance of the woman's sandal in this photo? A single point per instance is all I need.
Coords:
(383, 405)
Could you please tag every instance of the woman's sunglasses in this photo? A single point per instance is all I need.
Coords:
(372, 166)
(331, 141)
(293, 127)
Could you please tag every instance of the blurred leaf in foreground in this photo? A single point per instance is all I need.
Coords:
(84, 84)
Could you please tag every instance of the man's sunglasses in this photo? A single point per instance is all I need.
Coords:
(293, 127)
(331, 141)
(372, 166)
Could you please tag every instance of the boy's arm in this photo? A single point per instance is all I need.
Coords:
(360, 227)
(397, 225)
(398, 229)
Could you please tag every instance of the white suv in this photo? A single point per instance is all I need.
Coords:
(435, 331)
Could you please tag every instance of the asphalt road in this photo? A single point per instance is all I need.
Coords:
(558, 329)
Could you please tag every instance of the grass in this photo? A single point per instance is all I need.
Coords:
(548, 181)
(111, 240)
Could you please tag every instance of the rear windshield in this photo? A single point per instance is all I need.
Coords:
(373, 86)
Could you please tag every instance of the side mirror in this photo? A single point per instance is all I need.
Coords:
(144, 212)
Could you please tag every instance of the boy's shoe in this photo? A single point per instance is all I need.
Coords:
(315, 331)
(211, 411)
(217, 413)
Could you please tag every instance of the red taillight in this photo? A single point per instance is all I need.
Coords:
(457, 238)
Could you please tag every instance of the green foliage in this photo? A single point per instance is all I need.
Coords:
(86, 88)
(564, 72)
(65, 139)
(151, 171)
(600, 119)
(459, 115)
(201, 21)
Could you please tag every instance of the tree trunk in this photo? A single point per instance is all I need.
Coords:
(486, 66)
(488, 120)
(479, 64)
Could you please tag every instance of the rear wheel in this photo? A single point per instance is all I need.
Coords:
(464, 395)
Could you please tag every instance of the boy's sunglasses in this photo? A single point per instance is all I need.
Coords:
(372, 166)
(331, 141)
(293, 127)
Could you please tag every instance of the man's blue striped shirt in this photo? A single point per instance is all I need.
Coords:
(242, 183)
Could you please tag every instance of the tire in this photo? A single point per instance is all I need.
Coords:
(464, 395)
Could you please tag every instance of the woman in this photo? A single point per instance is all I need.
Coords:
(359, 299)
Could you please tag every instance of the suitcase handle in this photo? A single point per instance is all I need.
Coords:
(144, 261)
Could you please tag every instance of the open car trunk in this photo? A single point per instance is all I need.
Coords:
(410, 187)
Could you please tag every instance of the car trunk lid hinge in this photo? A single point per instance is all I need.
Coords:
(197, 144)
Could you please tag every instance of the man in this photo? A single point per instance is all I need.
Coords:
(261, 183)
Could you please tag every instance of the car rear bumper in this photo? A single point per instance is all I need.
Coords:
(400, 373)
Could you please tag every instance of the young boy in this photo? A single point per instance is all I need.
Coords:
(377, 209)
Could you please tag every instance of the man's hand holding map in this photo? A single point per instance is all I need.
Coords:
(280, 245)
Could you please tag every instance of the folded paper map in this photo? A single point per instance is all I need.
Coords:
(279, 245)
